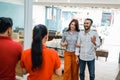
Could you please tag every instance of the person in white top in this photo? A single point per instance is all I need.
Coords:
(88, 40)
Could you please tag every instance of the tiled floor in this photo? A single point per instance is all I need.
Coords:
(118, 76)
(108, 70)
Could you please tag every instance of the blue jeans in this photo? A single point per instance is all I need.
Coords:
(91, 68)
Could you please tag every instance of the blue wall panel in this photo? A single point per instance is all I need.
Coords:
(15, 11)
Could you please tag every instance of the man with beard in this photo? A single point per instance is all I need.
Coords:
(88, 41)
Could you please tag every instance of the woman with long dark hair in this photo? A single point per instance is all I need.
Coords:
(39, 61)
(69, 40)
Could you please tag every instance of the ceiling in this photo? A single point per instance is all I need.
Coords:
(78, 3)
(13, 1)
(81, 1)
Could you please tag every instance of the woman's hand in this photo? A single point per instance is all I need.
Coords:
(77, 45)
(64, 44)
(24, 71)
(77, 59)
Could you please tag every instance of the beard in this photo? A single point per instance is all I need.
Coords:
(86, 27)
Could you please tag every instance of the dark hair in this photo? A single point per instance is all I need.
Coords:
(39, 32)
(89, 20)
(76, 25)
(5, 23)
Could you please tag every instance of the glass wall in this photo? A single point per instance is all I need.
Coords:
(16, 12)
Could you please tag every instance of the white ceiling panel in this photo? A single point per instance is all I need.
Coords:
(82, 1)
(96, 1)
(13, 1)
(64, 1)
(79, 3)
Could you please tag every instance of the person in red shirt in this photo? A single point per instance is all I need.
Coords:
(10, 51)
(39, 61)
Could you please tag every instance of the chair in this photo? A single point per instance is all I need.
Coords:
(102, 53)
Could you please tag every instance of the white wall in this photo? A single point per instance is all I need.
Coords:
(38, 14)
(114, 31)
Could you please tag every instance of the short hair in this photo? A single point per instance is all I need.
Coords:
(5, 23)
(89, 20)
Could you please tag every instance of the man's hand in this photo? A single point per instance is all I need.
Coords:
(93, 40)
